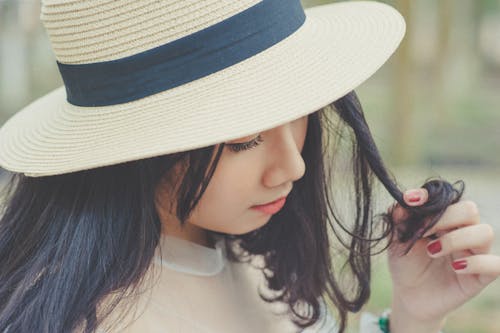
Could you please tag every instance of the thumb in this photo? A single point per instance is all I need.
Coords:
(413, 197)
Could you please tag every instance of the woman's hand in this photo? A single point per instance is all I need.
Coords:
(437, 276)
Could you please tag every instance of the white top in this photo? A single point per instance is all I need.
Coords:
(197, 290)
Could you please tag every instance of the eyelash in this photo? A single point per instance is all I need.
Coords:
(236, 147)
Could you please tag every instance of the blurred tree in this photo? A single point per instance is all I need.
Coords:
(14, 79)
(445, 11)
(403, 134)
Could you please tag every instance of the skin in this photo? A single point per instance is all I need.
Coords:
(425, 286)
(242, 179)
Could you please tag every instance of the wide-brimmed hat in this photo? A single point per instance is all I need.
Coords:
(147, 78)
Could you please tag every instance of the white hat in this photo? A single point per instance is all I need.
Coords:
(147, 78)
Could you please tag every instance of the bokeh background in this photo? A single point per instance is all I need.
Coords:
(434, 110)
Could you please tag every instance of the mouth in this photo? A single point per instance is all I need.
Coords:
(271, 207)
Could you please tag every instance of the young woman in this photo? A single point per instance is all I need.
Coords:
(188, 177)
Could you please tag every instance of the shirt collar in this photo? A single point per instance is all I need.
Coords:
(191, 258)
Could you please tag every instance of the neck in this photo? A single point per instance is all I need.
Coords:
(191, 233)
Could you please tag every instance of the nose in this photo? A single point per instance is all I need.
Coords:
(285, 163)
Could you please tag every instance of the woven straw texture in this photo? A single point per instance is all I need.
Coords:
(337, 48)
(93, 31)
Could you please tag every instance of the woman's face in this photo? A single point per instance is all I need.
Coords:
(245, 178)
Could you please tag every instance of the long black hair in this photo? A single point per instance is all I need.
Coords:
(68, 241)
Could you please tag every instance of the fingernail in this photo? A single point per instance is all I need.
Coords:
(413, 196)
(459, 264)
(434, 247)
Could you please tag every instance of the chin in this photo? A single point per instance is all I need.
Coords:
(250, 228)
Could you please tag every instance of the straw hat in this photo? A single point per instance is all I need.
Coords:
(146, 78)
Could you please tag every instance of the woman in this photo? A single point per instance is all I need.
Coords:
(182, 176)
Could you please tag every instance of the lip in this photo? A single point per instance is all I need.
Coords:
(271, 207)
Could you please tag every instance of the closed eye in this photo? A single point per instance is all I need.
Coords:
(237, 147)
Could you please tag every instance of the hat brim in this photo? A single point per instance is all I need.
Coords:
(338, 47)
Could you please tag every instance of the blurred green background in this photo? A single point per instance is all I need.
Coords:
(434, 109)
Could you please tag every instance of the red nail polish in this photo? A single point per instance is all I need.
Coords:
(414, 198)
(459, 264)
(434, 247)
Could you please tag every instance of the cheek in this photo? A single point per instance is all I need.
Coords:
(228, 196)
(232, 182)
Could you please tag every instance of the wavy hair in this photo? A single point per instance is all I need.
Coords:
(67, 241)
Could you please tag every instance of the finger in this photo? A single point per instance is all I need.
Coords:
(460, 214)
(485, 264)
(416, 197)
(476, 238)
